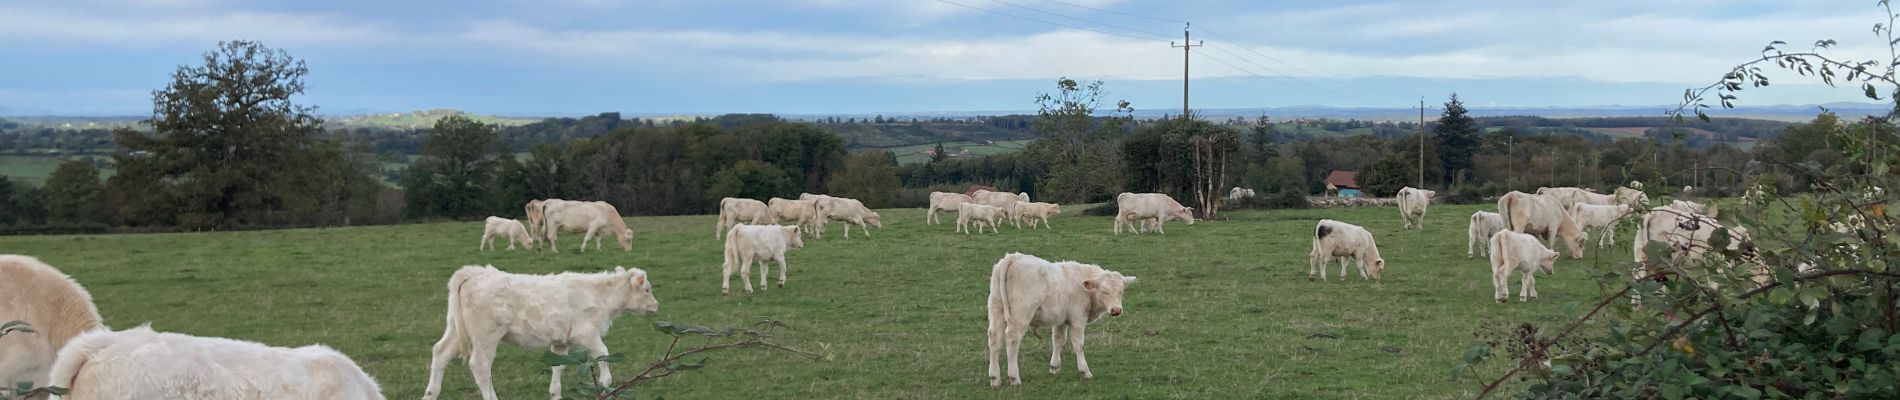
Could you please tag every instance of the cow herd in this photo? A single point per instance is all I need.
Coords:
(487, 306)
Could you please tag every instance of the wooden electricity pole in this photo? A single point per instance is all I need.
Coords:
(1421, 142)
(1186, 46)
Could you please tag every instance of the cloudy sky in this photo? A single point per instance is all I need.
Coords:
(540, 57)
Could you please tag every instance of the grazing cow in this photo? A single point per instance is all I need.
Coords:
(1034, 212)
(1133, 208)
(1238, 193)
(55, 306)
(1600, 217)
(1567, 196)
(1028, 292)
(488, 306)
(1512, 251)
(748, 243)
(944, 201)
(1478, 234)
(141, 363)
(1687, 236)
(978, 214)
(596, 218)
(1412, 204)
(1631, 197)
(1541, 216)
(1348, 242)
(850, 212)
(801, 212)
(998, 199)
(734, 211)
(510, 230)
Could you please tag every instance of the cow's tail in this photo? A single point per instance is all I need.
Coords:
(732, 250)
(999, 294)
(74, 356)
(455, 335)
(1505, 205)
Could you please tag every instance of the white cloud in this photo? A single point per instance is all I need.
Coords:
(52, 26)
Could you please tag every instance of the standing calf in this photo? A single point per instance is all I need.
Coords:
(510, 230)
(978, 214)
(748, 243)
(1028, 292)
(1348, 242)
(1512, 251)
(1478, 234)
(488, 306)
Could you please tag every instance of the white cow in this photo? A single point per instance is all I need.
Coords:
(508, 229)
(734, 211)
(801, 212)
(746, 244)
(1566, 196)
(1512, 251)
(488, 306)
(596, 218)
(533, 211)
(1692, 207)
(979, 215)
(1542, 216)
(1687, 235)
(55, 306)
(1412, 204)
(944, 201)
(1028, 292)
(1631, 197)
(1478, 234)
(139, 363)
(1238, 193)
(1350, 243)
(850, 212)
(1034, 212)
(1133, 208)
(998, 199)
(1602, 218)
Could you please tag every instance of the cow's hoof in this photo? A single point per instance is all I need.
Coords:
(1015, 381)
(1502, 300)
(994, 382)
(1087, 375)
(781, 285)
(1055, 370)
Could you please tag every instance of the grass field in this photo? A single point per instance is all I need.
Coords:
(34, 169)
(915, 153)
(1223, 308)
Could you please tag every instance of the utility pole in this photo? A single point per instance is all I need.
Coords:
(1186, 46)
(1421, 142)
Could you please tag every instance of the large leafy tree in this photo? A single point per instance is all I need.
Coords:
(1457, 137)
(1078, 148)
(451, 176)
(228, 145)
(752, 179)
(72, 193)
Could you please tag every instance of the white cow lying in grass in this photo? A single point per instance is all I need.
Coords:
(55, 306)
(139, 363)
(748, 243)
(978, 215)
(1478, 233)
(509, 230)
(1348, 242)
(488, 306)
(1517, 252)
(1602, 218)
(944, 201)
(1028, 292)
(734, 211)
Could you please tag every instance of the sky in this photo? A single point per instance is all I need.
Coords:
(571, 57)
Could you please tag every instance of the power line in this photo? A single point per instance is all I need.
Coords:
(1078, 19)
(1116, 12)
(1276, 60)
(1048, 22)
(1283, 79)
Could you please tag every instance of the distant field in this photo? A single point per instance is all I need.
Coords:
(33, 169)
(915, 153)
(420, 119)
(1223, 308)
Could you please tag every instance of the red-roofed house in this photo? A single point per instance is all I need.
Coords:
(1345, 183)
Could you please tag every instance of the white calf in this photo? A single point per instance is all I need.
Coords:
(978, 214)
(1512, 251)
(1478, 233)
(510, 230)
(488, 306)
(1348, 242)
(748, 243)
(1027, 292)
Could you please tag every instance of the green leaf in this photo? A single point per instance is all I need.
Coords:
(1807, 298)
(612, 358)
(23, 387)
(1780, 295)
(664, 327)
(1871, 93)
(1459, 371)
(553, 359)
(1672, 392)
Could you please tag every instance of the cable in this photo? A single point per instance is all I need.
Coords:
(1116, 12)
(1047, 22)
(1079, 19)
(1276, 60)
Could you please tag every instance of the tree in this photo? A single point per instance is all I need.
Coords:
(456, 165)
(870, 177)
(938, 154)
(228, 146)
(1078, 150)
(72, 193)
(9, 205)
(1457, 136)
(752, 179)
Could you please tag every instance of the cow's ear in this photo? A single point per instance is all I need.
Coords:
(1089, 285)
(619, 269)
(639, 280)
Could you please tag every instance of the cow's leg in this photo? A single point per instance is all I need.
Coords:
(1076, 332)
(1500, 281)
(1316, 262)
(597, 348)
(553, 240)
(745, 272)
(765, 271)
(444, 351)
(725, 276)
(781, 272)
(481, 361)
(1343, 261)
(996, 344)
(930, 217)
(1055, 349)
(865, 229)
(1471, 244)
(1013, 343)
(1526, 286)
(484, 244)
(554, 385)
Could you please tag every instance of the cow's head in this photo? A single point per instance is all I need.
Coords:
(1183, 214)
(626, 239)
(1056, 208)
(1575, 242)
(1105, 291)
(1548, 262)
(641, 299)
(870, 217)
(793, 238)
(1375, 268)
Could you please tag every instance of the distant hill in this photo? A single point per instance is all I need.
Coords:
(418, 119)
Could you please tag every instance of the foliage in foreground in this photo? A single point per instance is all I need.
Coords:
(1824, 327)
